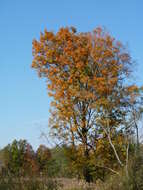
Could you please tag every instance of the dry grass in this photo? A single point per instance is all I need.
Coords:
(74, 184)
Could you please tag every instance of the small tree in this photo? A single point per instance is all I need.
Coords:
(19, 158)
(43, 155)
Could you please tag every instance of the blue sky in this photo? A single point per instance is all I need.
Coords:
(24, 104)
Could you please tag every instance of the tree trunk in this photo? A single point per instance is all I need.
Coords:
(86, 170)
(87, 176)
(137, 134)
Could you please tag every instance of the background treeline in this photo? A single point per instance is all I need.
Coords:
(19, 159)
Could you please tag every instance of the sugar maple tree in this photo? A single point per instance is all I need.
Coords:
(86, 75)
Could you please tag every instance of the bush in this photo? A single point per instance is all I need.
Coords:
(134, 180)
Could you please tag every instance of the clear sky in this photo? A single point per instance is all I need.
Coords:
(24, 104)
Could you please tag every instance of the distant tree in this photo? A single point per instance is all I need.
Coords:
(19, 158)
(60, 164)
(43, 156)
(30, 164)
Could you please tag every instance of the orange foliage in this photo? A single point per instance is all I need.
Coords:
(85, 74)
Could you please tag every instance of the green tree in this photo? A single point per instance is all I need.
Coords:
(43, 155)
(18, 157)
